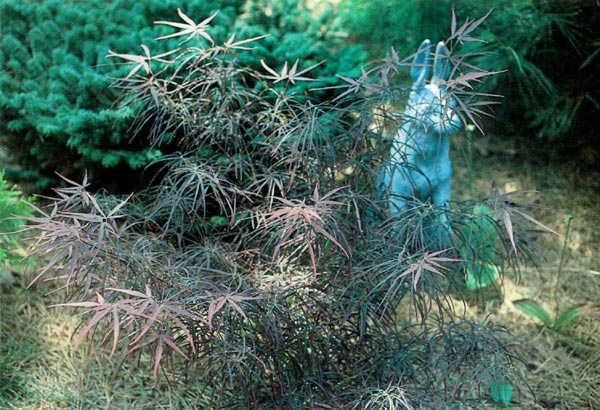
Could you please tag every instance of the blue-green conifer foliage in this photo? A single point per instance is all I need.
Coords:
(57, 110)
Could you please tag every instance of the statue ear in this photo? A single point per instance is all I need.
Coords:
(420, 69)
(441, 64)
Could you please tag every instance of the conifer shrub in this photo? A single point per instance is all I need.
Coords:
(56, 108)
(251, 267)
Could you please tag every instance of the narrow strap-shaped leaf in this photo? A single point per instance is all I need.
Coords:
(565, 318)
(533, 309)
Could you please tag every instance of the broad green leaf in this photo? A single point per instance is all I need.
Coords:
(533, 309)
(565, 318)
(500, 392)
(480, 275)
(479, 235)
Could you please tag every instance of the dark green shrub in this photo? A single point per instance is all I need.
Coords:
(13, 211)
(57, 112)
(247, 265)
(56, 106)
(548, 50)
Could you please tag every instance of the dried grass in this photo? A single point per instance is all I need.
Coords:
(563, 370)
(41, 369)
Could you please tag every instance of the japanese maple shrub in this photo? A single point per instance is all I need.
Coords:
(250, 264)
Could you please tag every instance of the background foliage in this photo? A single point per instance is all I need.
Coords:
(56, 109)
(57, 113)
(548, 49)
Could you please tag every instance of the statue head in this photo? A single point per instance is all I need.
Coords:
(429, 107)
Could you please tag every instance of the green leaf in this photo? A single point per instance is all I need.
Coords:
(13, 213)
(533, 309)
(218, 221)
(565, 318)
(500, 392)
(480, 235)
(480, 275)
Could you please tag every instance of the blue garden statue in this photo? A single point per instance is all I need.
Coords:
(419, 166)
